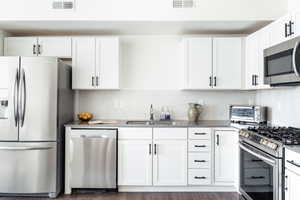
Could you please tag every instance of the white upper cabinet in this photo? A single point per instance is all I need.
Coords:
(282, 29)
(226, 156)
(95, 63)
(210, 62)
(20, 46)
(42, 46)
(254, 66)
(55, 46)
(197, 63)
(296, 20)
(83, 63)
(227, 63)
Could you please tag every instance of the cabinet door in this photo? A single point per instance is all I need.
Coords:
(296, 20)
(170, 162)
(227, 63)
(250, 61)
(55, 46)
(135, 162)
(83, 63)
(292, 182)
(226, 156)
(279, 30)
(107, 63)
(20, 46)
(197, 63)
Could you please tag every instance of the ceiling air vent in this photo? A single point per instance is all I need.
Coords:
(59, 4)
(183, 3)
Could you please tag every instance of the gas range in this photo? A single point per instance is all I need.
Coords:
(272, 137)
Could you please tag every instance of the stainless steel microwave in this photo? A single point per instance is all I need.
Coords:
(248, 114)
(282, 63)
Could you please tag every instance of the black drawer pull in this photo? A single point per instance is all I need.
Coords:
(256, 160)
(293, 163)
(200, 133)
(199, 177)
(257, 177)
(200, 146)
(201, 161)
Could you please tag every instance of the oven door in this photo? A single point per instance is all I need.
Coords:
(260, 177)
(282, 63)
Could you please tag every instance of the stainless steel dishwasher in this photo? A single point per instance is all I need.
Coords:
(93, 158)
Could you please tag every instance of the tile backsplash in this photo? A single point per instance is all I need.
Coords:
(135, 104)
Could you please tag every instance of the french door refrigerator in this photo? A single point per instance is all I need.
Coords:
(36, 99)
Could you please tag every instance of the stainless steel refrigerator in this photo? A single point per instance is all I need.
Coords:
(35, 101)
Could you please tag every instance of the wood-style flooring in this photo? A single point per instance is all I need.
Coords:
(141, 196)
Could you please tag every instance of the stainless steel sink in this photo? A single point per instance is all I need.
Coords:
(140, 122)
(148, 122)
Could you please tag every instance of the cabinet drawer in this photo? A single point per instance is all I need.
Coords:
(292, 161)
(199, 160)
(200, 133)
(170, 133)
(257, 177)
(135, 133)
(199, 145)
(199, 177)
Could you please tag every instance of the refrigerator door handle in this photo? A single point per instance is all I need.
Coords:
(15, 97)
(23, 97)
(24, 148)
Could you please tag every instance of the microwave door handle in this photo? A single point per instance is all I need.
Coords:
(294, 59)
(267, 160)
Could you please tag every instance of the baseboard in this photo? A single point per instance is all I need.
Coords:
(178, 189)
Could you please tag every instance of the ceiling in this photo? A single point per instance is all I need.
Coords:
(20, 28)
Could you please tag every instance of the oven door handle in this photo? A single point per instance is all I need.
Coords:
(269, 161)
(294, 59)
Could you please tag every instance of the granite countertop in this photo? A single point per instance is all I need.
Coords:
(295, 148)
(176, 123)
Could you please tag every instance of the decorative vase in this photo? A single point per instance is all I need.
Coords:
(194, 112)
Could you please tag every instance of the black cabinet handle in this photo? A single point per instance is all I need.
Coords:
(256, 160)
(293, 163)
(286, 30)
(199, 133)
(218, 139)
(199, 161)
(34, 49)
(150, 151)
(97, 80)
(93, 81)
(199, 177)
(210, 81)
(291, 28)
(257, 177)
(155, 150)
(252, 80)
(200, 146)
(39, 49)
(215, 81)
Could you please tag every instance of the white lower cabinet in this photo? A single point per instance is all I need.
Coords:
(292, 182)
(226, 156)
(135, 162)
(170, 162)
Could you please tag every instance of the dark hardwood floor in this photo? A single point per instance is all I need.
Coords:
(141, 196)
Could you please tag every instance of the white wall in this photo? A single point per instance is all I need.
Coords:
(284, 105)
(2, 35)
(146, 10)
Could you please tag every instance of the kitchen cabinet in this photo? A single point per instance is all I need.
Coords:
(292, 182)
(197, 63)
(210, 62)
(135, 162)
(254, 59)
(226, 156)
(170, 162)
(38, 46)
(227, 63)
(95, 63)
(282, 29)
(296, 20)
